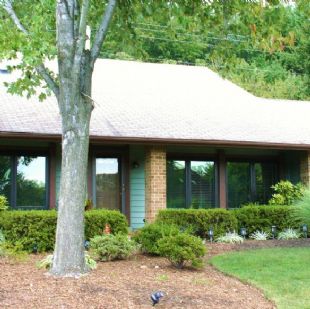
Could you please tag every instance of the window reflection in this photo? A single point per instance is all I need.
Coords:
(190, 184)
(176, 184)
(107, 183)
(202, 184)
(31, 182)
(5, 177)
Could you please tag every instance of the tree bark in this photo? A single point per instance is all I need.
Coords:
(69, 248)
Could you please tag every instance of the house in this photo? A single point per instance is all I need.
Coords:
(162, 136)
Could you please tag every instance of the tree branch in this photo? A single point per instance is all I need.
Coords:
(82, 28)
(102, 31)
(41, 69)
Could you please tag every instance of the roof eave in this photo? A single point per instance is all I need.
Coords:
(153, 140)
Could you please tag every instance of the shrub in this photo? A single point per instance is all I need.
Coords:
(230, 238)
(286, 193)
(200, 220)
(260, 235)
(96, 219)
(149, 236)
(4, 205)
(181, 249)
(263, 217)
(37, 227)
(289, 234)
(112, 247)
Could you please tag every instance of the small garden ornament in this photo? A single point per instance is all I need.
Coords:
(155, 297)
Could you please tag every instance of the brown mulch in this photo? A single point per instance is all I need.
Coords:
(129, 284)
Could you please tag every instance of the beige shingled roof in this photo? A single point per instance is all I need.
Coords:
(136, 100)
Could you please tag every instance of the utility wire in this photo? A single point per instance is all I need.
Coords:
(182, 62)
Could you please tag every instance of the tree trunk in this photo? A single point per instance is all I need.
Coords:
(69, 257)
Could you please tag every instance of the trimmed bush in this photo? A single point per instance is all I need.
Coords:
(37, 227)
(112, 247)
(149, 236)
(181, 249)
(95, 221)
(261, 218)
(200, 220)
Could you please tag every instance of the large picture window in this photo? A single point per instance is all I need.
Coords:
(190, 184)
(23, 180)
(250, 182)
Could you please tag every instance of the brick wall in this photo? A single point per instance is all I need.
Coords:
(155, 181)
(305, 169)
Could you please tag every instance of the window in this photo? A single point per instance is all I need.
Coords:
(23, 180)
(107, 177)
(190, 184)
(250, 182)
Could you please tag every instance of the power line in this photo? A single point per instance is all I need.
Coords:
(194, 35)
(180, 28)
(182, 62)
(200, 43)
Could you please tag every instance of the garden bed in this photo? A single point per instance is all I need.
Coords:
(128, 284)
(124, 284)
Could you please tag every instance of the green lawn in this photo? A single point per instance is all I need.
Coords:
(282, 273)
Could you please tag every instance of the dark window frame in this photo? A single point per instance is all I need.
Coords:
(13, 159)
(188, 184)
(252, 162)
(121, 177)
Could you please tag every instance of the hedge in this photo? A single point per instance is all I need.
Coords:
(262, 217)
(200, 220)
(37, 227)
(221, 220)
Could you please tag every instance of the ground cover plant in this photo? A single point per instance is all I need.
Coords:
(282, 273)
(230, 238)
(289, 234)
(260, 235)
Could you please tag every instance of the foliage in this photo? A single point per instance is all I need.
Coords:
(37, 227)
(149, 236)
(111, 247)
(230, 238)
(96, 220)
(264, 49)
(281, 273)
(260, 235)
(262, 217)
(181, 249)
(46, 263)
(286, 193)
(2, 238)
(200, 220)
(289, 234)
(4, 205)
(303, 208)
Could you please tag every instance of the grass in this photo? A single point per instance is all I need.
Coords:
(282, 273)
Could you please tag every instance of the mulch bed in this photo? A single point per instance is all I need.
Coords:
(129, 284)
